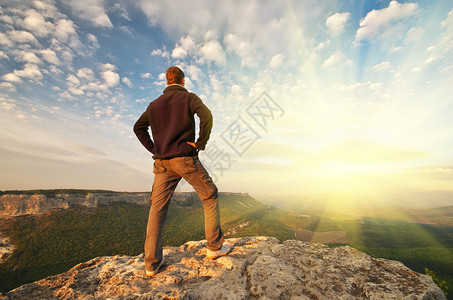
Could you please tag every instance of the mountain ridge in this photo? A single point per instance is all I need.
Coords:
(16, 203)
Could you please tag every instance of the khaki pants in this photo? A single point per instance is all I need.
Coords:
(168, 172)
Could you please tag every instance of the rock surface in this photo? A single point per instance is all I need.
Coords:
(6, 248)
(257, 268)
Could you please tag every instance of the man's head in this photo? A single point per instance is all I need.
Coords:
(175, 76)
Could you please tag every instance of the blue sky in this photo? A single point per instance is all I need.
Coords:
(308, 97)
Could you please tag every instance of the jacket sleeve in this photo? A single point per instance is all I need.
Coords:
(206, 121)
(142, 133)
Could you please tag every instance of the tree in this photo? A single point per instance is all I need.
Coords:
(440, 283)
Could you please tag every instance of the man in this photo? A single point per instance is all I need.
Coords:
(175, 153)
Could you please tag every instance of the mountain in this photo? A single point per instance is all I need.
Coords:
(257, 268)
(33, 246)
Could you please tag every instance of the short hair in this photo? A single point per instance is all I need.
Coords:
(174, 75)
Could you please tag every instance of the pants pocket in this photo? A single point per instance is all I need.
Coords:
(159, 167)
(188, 165)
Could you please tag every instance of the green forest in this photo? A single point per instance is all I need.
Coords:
(52, 243)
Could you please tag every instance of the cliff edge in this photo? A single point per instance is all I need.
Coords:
(257, 268)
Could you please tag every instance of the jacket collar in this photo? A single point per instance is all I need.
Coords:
(174, 87)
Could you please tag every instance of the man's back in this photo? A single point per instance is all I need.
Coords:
(171, 118)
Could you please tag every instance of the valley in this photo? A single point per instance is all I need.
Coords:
(52, 242)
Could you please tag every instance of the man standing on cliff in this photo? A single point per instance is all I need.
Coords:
(175, 153)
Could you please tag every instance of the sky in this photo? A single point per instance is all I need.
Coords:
(309, 97)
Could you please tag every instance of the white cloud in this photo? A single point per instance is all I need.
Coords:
(63, 52)
(126, 29)
(376, 22)
(72, 80)
(65, 29)
(383, 66)
(396, 49)
(336, 23)
(7, 104)
(35, 22)
(22, 37)
(414, 34)
(236, 89)
(187, 43)
(55, 70)
(336, 60)
(47, 9)
(179, 52)
(215, 83)
(442, 51)
(11, 77)
(107, 67)
(242, 48)
(92, 11)
(8, 86)
(5, 40)
(30, 57)
(161, 80)
(127, 81)
(276, 61)
(448, 23)
(66, 95)
(165, 13)
(50, 56)
(93, 40)
(85, 74)
(76, 91)
(159, 52)
(193, 72)
(213, 51)
(117, 8)
(30, 71)
(150, 9)
(376, 86)
(110, 77)
(6, 19)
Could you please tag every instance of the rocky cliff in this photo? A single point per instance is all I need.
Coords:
(257, 268)
(15, 205)
(6, 248)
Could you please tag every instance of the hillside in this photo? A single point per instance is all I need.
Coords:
(329, 237)
(53, 242)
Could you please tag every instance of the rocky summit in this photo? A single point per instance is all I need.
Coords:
(257, 268)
